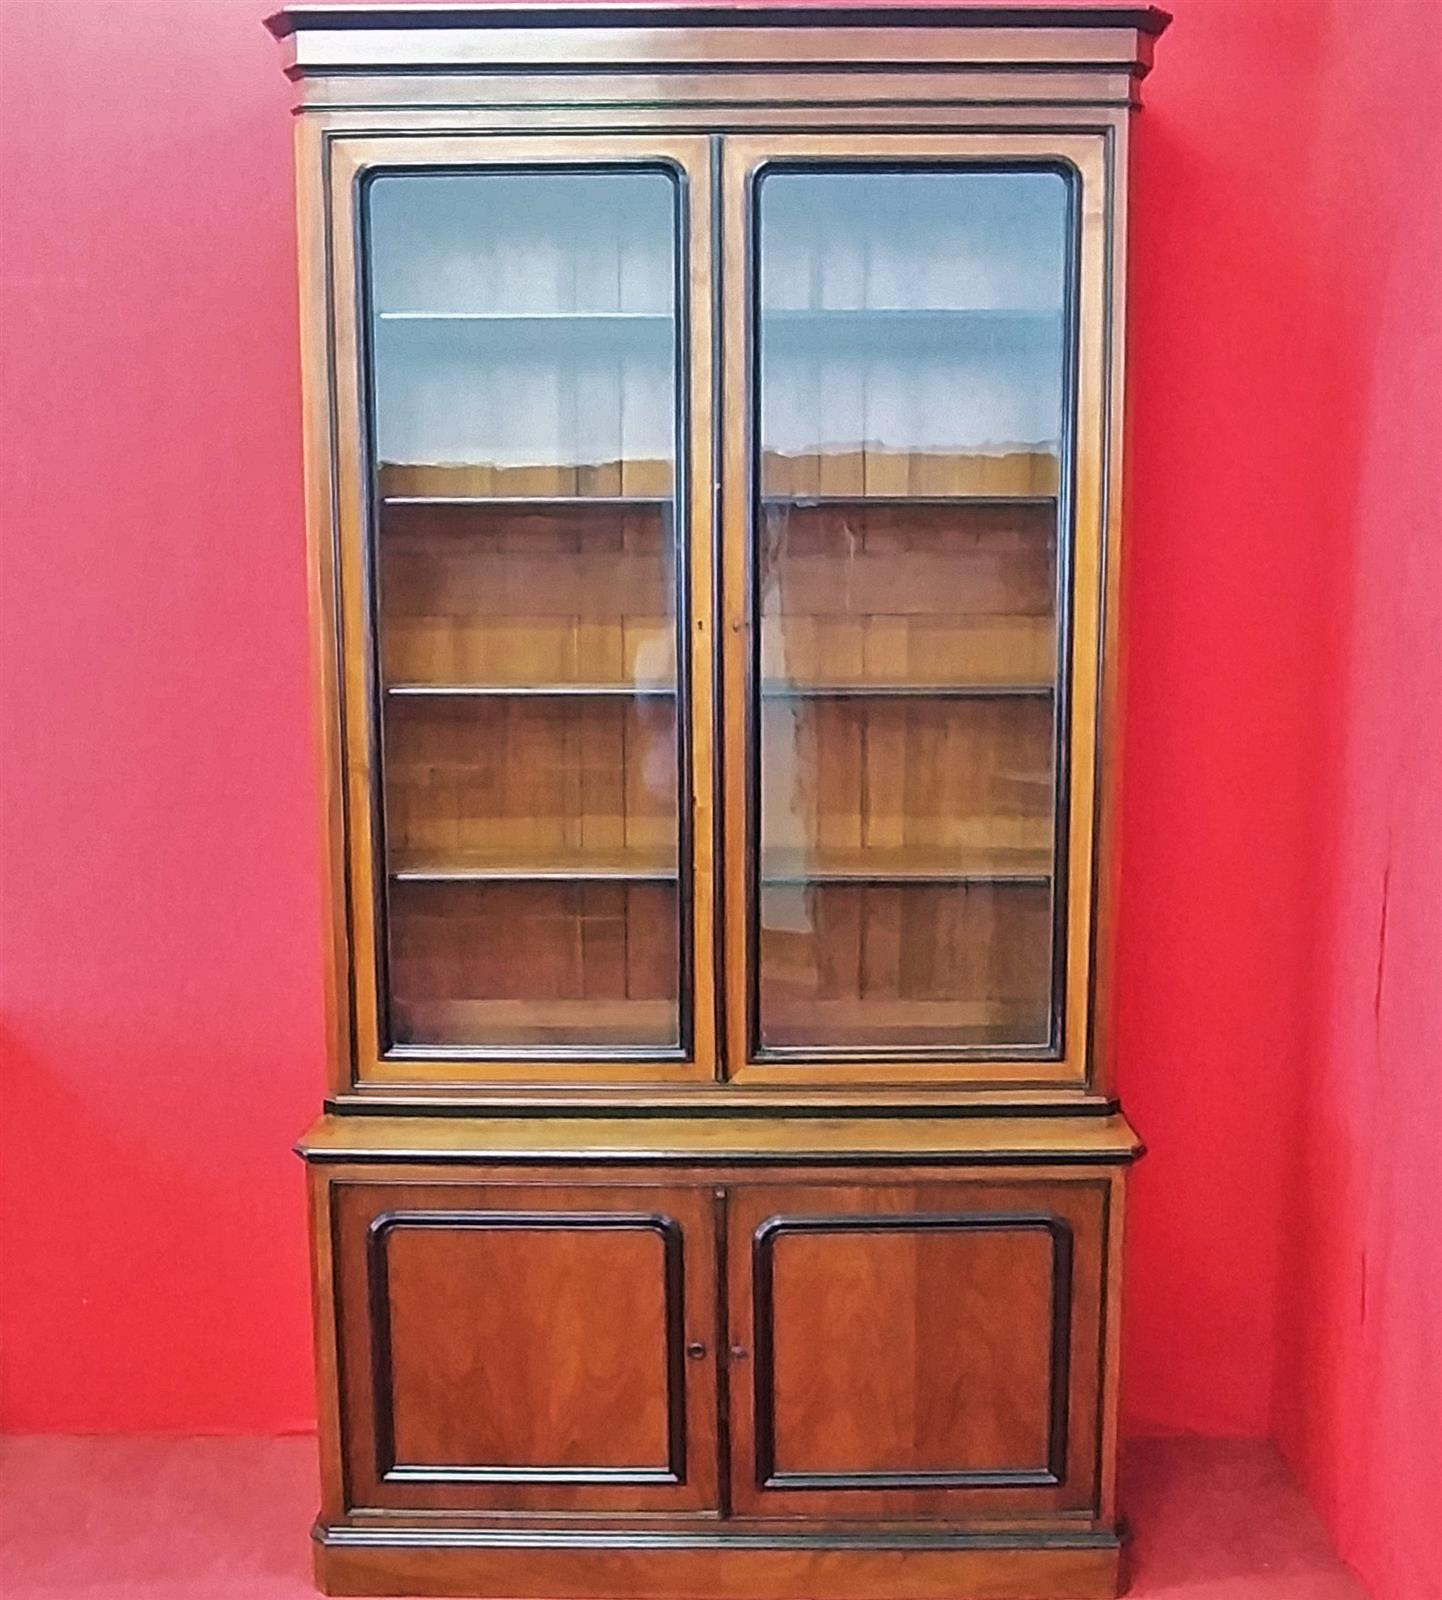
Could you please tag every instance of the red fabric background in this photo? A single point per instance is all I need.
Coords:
(161, 1009)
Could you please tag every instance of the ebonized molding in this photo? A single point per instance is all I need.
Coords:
(764, 1241)
(388, 1223)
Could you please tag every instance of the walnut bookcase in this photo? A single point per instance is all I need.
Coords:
(713, 474)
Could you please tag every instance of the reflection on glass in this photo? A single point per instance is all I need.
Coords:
(523, 330)
(911, 361)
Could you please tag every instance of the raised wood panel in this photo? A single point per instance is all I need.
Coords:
(470, 1312)
(916, 1350)
(950, 1395)
(520, 1348)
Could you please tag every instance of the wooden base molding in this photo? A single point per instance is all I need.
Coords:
(628, 1567)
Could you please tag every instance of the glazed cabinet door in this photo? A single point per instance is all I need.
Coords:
(522, 336)
(912, 569)
(916, 1350)
(525, 1348)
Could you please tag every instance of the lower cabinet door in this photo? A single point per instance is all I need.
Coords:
(916, 1351)
(519, 1347)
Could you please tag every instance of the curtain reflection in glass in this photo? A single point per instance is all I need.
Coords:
(912, 363)
(523, 337)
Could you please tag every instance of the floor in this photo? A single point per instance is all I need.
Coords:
(225, 1519)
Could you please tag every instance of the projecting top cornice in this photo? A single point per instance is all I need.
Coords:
(1096, 42)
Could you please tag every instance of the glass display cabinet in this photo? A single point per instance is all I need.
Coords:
(714, 424)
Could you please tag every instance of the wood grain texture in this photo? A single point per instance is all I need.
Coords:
(1097, 51)
(515, 594)
(492, 583)
(514, 1349)
(532, 964)
(925, 1351)
(516, 1342)
(541, 1336)
(326, 668)
(908, 591)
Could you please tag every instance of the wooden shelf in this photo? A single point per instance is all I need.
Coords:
(617, 486)
(907, 691)
(557, 319)
(853, 318)
(591, 866)
(996, 867)
(522, 503)
(867, 329)
(529, 1024)
(946, 316)
(544, 691)
(866, 479)
(962, 866)
(950, 502)
(859, 1023)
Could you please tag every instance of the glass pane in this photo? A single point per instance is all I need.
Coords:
(912, 369)
(524, 343)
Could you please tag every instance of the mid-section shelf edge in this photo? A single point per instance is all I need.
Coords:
(544, 691)
(533, 502)
(906, 880)
(769, 502)
(639, 874)
(534, 874)
(925, 502)
(907, 691)
(769, 691)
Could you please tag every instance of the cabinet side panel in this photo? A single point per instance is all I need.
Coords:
(1110, 643)
(327, 1365)
(327, 708)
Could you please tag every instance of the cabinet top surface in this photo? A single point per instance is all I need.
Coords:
(731, 1140)
(653, 14)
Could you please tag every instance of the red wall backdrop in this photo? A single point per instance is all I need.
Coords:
(161, 1013)
(1358, 1404)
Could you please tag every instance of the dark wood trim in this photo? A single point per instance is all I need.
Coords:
(763, 1367)
(763, 1101)
(1064, 532)
(775, 1162)
(721, 1221)
(288, 20)
(700, 1539)
(677, 506)
(389, 1470)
